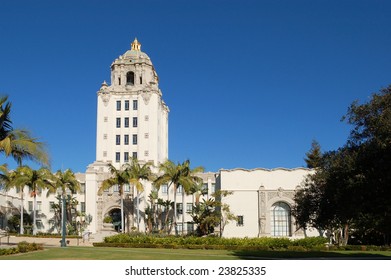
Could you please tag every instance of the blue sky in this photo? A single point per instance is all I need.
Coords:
(249, 83)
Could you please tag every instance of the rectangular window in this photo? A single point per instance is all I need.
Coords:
(179, 228)
(135, 122)
(240, 222)
(126, 156)
(117, 157)
(30, 206)
(39, 224)
(141, 80)
(179, 189)
(127, 188)
(164, 189)
(134, 136)
(82, 187)
(204, 189)
(135, 105)
(179, 208)
(189, 207)
(118, 105)
(134, 155)
(213, 188)
(82, 207)
(118, 139)
(115, 188)
(118, 122)
(39, 206)
(126, 105)
(126, 122)
(51, 206)
(190, 227)
(126, 139)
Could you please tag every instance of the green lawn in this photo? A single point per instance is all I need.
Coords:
(99, 253)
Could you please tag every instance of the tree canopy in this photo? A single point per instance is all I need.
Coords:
(350, 192)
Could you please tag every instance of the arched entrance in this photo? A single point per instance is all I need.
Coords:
(115, 215)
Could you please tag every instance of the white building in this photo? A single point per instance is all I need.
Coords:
(132, 122)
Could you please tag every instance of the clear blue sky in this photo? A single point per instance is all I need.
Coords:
(249, 83)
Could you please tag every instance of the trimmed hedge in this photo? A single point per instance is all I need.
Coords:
(210, 242)
(22, 247)
(137, 240)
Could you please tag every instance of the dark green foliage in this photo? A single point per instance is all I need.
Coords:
(210, 242)
(314, 155)
(22, 247)
(350, 192)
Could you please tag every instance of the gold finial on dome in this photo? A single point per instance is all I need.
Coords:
(136, 45)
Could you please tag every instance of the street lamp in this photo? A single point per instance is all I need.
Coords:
(63, 218)
(63, 222)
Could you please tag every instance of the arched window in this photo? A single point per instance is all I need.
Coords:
(280, 219)
(130, 78)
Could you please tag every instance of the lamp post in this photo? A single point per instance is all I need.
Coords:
(63, 222)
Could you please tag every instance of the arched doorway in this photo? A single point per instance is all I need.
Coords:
(115, 215)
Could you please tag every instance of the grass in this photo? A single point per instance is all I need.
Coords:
(100, 253)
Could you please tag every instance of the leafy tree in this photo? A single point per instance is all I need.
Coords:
(349, 191)
(371, 137)
(211, 213)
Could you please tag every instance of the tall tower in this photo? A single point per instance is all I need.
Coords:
(132, 118)
(132, 122)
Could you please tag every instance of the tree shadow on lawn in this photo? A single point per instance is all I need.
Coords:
(310, 255)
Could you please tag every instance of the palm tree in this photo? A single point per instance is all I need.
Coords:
(36, 180)
(119, 177)
(177, 175)
(154, 196)
(18, 143)
(137, 173)
(7, 178)
(64, 181)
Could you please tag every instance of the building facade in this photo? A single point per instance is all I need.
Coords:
(132, 122)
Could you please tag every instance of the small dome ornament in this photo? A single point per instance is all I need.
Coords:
(136, 46)
(104, 84)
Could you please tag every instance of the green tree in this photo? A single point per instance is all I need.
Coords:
(371, 137)
(177, 175)
(211, 213)
(136, 174)
(349, 192)
(119, 177)
(36, 180)
(314, 155)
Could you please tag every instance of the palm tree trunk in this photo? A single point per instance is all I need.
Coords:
(34, 215)
(122, 215)
(21, 211)
(138, 211)
(183, 211)
(175, 213)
